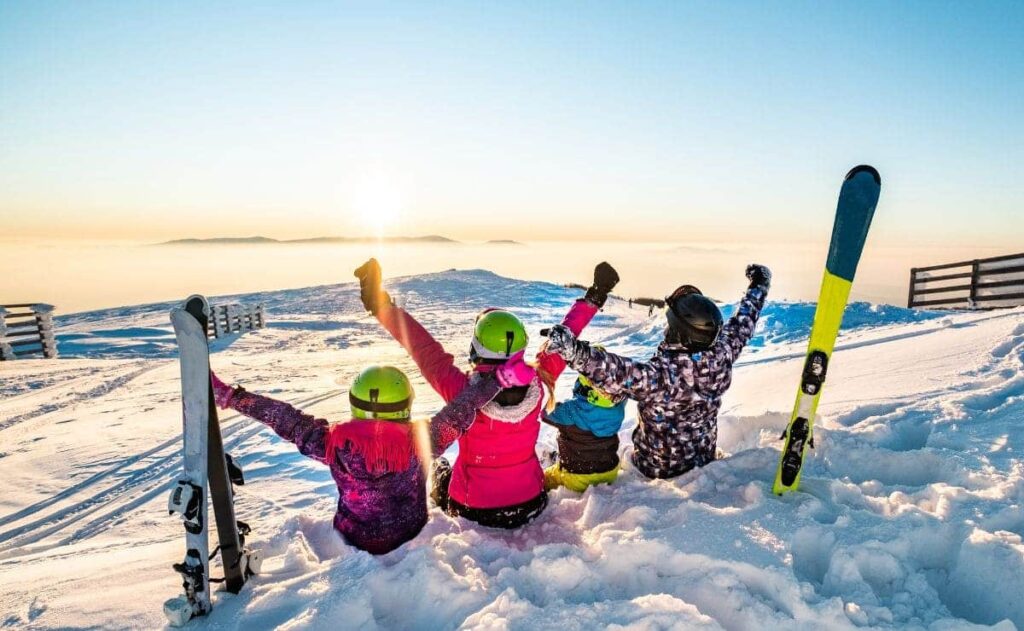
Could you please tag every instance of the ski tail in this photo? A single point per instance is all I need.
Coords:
(858, 199)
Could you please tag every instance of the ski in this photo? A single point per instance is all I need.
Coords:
(858, 198)
(210, 473)
(188, 497)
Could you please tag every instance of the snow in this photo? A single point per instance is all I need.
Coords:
(910, 513)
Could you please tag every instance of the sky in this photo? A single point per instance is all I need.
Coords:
(679, 121)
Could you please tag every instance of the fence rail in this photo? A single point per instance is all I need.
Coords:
(26, 330)
(233, 317)
(990, 283)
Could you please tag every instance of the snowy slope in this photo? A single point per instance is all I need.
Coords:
(910, 514)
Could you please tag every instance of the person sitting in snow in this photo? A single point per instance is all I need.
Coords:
(381, 478)
(679, 390)
(496, 479)
(588, 437)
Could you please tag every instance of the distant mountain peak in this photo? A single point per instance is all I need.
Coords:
(430, 238)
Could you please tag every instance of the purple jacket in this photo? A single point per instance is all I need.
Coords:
(377, 512)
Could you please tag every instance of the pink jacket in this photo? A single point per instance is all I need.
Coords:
(497, 464)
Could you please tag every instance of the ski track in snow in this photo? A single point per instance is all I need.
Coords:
(909, 515)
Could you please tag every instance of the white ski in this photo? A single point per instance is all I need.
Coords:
(189, 496)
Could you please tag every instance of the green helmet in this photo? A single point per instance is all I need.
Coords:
(592, 394)
(498, 336)
(381, 392)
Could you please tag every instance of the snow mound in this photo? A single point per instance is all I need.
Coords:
(909, 516)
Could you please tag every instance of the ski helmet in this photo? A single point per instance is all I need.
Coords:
(497, 336)
(694, 320)
(381, 392)
(594, 396)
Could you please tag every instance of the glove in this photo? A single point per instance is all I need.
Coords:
(515, 372)
(759, 276)
(370, 291)
(222, 392)
(605, 279)
(561, 342)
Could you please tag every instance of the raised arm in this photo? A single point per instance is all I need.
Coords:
(615, 374)
(436, 364)
(438, 367)
(740, 328)
(309, 434)
(550, 365)
(580, 314)
(455, 418)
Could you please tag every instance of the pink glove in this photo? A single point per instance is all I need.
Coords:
(222, 392)
(515, 372)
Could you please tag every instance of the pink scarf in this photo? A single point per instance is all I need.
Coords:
(385, 446)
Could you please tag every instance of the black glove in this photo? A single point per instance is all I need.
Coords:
(370, 291)
(759, 276)
(605, 279)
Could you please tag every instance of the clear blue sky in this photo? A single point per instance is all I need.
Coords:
(636, 120)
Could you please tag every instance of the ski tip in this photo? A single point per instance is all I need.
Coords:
(864, 168)
(197, 305)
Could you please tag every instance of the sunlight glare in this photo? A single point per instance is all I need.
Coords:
(377, 205)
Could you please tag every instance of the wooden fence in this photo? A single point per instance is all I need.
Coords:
(235, 318)
(26, 330)
(979, 284)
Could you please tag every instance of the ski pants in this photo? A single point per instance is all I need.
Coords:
(499, 517)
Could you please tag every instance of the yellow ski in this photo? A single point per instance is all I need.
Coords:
(857, 200)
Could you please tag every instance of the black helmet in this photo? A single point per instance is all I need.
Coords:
(694, 320)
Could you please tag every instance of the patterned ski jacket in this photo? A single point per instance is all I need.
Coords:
(382, 490)
(678, 393)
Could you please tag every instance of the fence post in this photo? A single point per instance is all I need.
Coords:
(6, 352)
(44, 323)
(232, 316)
(261, 315)
(910, 295)
(972, 300)
(218, 315)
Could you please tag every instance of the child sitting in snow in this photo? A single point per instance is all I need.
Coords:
(381, 478)
(679, 390)
(496, 480)
(588, 438)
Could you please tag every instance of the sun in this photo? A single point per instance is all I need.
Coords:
(378, 206)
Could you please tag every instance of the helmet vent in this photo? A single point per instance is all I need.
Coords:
(374, 395)
(510, 338)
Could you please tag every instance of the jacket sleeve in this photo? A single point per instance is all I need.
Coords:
(438, 367)
(579, 316)
(307, 433)
(618, 375)
(455, 418)
(740, 327)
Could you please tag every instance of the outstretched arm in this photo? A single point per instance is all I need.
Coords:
(309, 434)
(614, 374)
(740, 328)
(455, 418)
(551, 365)
(437, 366)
